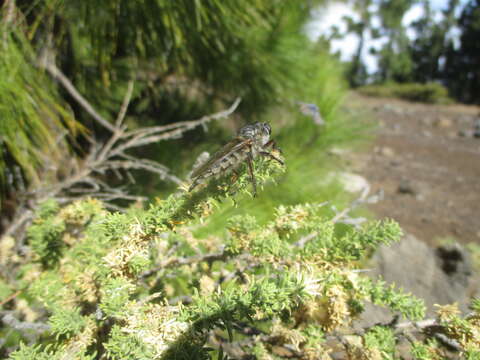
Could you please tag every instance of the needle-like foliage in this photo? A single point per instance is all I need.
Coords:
(141, 285)
(34, 120)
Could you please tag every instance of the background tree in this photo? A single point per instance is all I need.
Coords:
(428, 46)
(357, 72)
(463, 64)
(395, 63)
(432, 40)
(186, 59)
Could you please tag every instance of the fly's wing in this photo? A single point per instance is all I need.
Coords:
(232, 146)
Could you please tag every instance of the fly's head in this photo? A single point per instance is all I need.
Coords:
(259, 132)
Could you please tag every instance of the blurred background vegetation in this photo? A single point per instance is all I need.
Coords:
(413, 42)
(187, 58)
(190, 58)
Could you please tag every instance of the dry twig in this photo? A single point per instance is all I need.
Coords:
(343, 216)
(110, 155)
(23, 326)
(11, 297)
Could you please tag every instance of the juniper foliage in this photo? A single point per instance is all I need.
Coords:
(142, 285)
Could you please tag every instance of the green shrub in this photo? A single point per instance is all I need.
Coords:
(432, 93)
(113, 291)
(142, 285)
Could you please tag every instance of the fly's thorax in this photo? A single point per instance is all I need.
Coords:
(265, 139)
(256, 148)
(258, 132)
(259, 143)
(248, 131)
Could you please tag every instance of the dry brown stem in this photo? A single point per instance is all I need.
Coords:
(83, 178)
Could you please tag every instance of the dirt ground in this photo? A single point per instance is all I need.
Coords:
(427, 161)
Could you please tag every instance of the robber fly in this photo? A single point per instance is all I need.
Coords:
(252, 140)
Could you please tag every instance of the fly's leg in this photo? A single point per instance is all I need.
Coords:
(268, 154)
(193, 185)
(250, 171)
(234, 179)
(197, 181)
(273, 144)
(271, 156)
(235, 176)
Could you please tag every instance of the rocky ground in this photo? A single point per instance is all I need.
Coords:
(426, 159)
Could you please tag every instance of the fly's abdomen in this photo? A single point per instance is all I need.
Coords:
(221, 167)
(229, 162)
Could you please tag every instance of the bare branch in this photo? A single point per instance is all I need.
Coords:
(353, 205)
(80, 181)
(67, 84)
(339, 217)
(8, 10)
(418, 324)
(119, 195)
(435, 329)
(179, 261)
(19, 222)
(150, 166)
(11, 297)
(448, 342)
(119, 129)
(102, 196)
(187, 124)
(95, 185)
(158, 133)
(23, 326)
(125, 103)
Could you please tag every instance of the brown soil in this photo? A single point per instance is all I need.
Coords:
(427, 161)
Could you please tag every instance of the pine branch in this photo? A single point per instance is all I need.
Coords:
(107, 156)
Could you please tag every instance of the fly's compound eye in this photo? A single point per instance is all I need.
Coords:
(267, 129)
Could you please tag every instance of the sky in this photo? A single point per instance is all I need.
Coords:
(324, 19)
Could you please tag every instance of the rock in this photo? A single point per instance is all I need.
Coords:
(464, 133)
(393, 108)
(452, 135)
(464, 118)
(337, 151)
(420, 197)
(387, 151)
(455, 263)
(405, 187)
(443, 122)
(427, 120)
(352, 182)
(439, 276)
(388, 107)
(476, 129)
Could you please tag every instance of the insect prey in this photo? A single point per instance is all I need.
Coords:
(252, 140)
